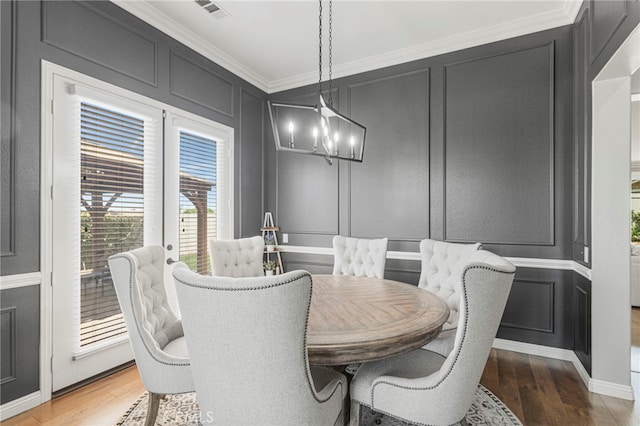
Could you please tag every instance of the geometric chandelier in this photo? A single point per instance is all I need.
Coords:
(317, 129)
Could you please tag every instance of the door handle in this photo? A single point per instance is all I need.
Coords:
(170, 261)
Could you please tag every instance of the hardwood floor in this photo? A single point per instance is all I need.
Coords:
(540, 391)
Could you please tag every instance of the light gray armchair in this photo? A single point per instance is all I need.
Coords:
(424, 387)
(154, 330)
(237, 258)
(442, 266)
(358, 256)
(247, 342)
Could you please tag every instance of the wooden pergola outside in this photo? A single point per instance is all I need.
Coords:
(107, 174)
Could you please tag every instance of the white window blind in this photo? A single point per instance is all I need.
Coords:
(198, 199)
(112, 207)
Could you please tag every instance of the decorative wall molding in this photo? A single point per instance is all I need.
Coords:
(541, 293)
(522, 262)
(10, 340)
(595, 53)
(8, 120)
(460, 221)
(8, 282)
(20, 405)
(184, 35)
(105, 57)
(202, 96)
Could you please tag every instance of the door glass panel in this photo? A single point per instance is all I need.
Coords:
(111, 212)
(198, 199)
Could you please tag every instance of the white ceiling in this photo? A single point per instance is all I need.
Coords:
(274, 44)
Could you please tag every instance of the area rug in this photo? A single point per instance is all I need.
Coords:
(178, 410)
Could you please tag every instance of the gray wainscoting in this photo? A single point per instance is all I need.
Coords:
(19, 342)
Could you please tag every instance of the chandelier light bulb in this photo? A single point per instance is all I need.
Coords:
(315, 139)
(291, 144)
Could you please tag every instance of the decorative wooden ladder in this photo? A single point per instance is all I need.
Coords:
(271, 242)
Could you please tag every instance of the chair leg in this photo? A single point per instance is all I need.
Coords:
(152, 408)
(354, 413)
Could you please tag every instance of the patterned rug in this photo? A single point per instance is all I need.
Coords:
(182, 409)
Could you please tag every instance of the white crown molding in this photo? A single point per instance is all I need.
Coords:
(8, 282)
(521, 262)
(518, 27)
(515, 28)
(571, 9)
(169, 26)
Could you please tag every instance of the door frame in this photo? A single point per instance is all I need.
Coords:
(610, 218)
(48, 69)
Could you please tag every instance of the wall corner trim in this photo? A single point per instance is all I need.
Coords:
(20, 405)
(8, 282)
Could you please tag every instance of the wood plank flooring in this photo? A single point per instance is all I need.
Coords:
(540, 391)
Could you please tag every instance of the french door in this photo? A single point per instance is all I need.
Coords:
(125, 173)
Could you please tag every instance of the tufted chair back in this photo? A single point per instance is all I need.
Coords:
(237, 258)
(247, 340)
(154, 330)
(359, 257)
(442, 265)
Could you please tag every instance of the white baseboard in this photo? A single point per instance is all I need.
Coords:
(20, 405)
(611, 389)
(531, 349)
(596, 386)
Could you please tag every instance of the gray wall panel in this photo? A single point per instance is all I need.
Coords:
(307, 195)
(530, 306)
(87, 32)
(199, 85)
(306, 188)
(539, 309)
(582, 140)
(607, 18)
(251, 167)
(395, 167)
(19, 340)
(8, 349)
(7, 115)
(499, 148)
(582, 320)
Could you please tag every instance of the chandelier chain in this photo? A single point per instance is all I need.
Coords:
(320, 49)
(330, 52)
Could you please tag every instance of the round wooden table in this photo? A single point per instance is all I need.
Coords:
(356, 319)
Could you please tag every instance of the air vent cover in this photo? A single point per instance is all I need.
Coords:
(211, 7)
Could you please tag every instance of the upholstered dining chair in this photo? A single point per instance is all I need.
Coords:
(237, 258)
(359, 256)
(425, 387)
(247, 342)
(154, 330)
(441, 273)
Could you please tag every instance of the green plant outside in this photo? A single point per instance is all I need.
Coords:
(191, 260)
(635, 226)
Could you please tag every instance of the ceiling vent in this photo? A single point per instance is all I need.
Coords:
(212, 8)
